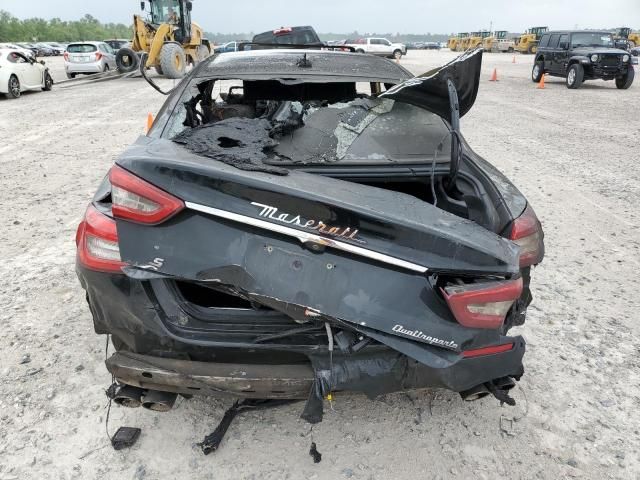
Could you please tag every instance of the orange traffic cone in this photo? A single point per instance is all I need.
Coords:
(514, 59)
(149, 122)
(541, 82)
(494, 75)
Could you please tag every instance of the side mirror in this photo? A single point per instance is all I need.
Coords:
(189, 6)
(142, 6)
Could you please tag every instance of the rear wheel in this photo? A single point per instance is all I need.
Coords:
(359, 50)
(14, 87)
(532, 49)
(575, 76)
(625, 81)
(173, 60)
(126, 60)
(71, 75)
(537, 72)
(48, 82)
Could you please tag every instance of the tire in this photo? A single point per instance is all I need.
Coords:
(531, 49)
(202, 53)
(397, 54)
(537, 72)
(173, 60)
(48, 82)
(575, 76)
(71, 75)
(127, 60)
(13, 90)
(359, 50)
(622, 83)
(158, 69)
(510, 50)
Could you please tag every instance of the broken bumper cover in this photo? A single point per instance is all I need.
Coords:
(157, 355)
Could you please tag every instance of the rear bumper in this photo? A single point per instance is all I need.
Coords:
(153, 354)
(208, 378)
(93, 67)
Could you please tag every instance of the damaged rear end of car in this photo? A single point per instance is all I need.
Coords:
(304, 222)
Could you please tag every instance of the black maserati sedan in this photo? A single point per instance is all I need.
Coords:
(303, 222)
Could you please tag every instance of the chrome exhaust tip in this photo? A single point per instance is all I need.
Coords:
(158, 401)
(474, 393)
(128, 396)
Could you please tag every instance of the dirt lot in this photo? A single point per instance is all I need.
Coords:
(573, 153)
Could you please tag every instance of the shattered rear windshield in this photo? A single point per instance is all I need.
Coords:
(267, 125)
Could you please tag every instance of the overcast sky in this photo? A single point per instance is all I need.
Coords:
(404, 16)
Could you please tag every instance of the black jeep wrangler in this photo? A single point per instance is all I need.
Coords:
(583, 55)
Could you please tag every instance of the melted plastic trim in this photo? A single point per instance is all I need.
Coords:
(306, 237)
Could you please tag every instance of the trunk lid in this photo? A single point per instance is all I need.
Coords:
(310, 246)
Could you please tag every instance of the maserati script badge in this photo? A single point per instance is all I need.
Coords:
(267, 211)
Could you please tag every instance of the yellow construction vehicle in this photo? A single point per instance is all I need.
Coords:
(625, 33)
(498, 42)
(168, 37)
(452, 42)
(528, 41)
(477, 38)
(463, 39)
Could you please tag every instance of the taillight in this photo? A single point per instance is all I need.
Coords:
(98, 56)
(66, 56)
(526, 231)
(482, 305)
(479, 352)
(137, 200)
(97, 242)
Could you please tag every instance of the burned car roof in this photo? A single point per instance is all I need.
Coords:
(305, 64)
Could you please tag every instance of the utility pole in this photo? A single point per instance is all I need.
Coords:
(490, 26)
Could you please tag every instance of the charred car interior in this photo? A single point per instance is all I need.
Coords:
(298, 223)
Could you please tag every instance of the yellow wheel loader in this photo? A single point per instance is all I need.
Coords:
(463, 39)
(476, 39)
(528, 41)
(452, 42)
(625, 33)
(168, 37)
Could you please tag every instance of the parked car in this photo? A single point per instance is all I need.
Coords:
(56, 48)
(583, 55)
(302, 236)
(20, 72)
(431, 46)
(227, 47)
(29, 46)
(88, 57)
(118, 43)
(44, 50)
(635, 51)
(304, 35)
(378, 46)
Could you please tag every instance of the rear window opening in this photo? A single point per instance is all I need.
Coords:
(82, 48)
(214, 298)
(253, 123)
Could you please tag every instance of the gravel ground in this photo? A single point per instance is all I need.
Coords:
(573, 153)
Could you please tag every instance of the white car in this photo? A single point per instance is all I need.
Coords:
(378, 46)
(19, 72)
(89, 57)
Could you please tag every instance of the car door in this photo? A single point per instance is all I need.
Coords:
(550, 64)
(27, 71)
(375, 46)
(561, 55)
